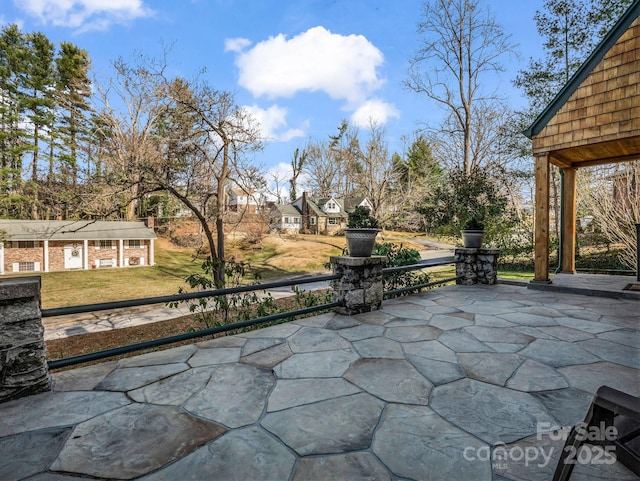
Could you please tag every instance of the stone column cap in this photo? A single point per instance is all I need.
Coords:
(358, 261)
(20, 288)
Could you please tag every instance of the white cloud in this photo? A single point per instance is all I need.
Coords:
(85, 15)
(374, 110)
(236, 44)
(273, 123)
(344, 67)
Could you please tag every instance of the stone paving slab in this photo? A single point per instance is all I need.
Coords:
(135, 440)
(428, 388)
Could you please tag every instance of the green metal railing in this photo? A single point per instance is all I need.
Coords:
(94, 356)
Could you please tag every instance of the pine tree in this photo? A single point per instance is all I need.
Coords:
(73, 91)
(13, 53)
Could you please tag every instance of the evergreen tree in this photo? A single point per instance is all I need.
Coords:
(39, 102)
(74, 91)
(12, 69)
(570, 30)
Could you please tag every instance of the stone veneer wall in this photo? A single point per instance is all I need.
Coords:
(23, 365)
(360, 285)
(478, 266)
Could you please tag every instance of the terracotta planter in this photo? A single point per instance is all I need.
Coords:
(360, 242)
(472, 238)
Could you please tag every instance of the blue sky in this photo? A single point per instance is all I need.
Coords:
(301, 66)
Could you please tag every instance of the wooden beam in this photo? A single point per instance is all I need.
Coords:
(560, 161)
(610, 160)
(541, 220)
(569, 222)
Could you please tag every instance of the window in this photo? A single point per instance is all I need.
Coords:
(105, 244)
(134, 244)
(286, 220)
(26, 266)
(333, 221)
(26, 245)
(312, 220)
(296, 220)
(105, 263)
(331, 205)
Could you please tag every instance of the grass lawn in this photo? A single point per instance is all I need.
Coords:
(520, 275)
(279, 256)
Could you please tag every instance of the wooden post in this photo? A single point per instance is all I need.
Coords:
(569, 227)
(541, 220)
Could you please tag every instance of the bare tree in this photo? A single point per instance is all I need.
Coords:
(461, 45)
(323, 171)
(178, 136)
(297, 164)
(377, 172)
(613, 198)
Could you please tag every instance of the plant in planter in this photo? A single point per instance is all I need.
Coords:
(362, 229)
(473, 231)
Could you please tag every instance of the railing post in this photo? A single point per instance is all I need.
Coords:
(359, 287)
(23, 365)
(477, 266)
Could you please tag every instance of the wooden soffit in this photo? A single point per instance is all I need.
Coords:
(612, 151)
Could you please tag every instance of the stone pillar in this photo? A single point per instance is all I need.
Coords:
(23, 365)
(488, 266)
(360, 285)
(477, 266)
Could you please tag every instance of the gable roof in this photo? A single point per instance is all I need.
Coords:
(33, 230)
(609, 40)
(287, 209)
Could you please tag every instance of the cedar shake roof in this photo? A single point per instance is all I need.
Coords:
(34, 230)
(609, 40)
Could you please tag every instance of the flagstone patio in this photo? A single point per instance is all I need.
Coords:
(424, 389)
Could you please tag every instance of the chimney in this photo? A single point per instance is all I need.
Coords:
(150, 222)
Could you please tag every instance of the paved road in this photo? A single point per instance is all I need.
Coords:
(64, 326)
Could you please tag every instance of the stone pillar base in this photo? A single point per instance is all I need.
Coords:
(360, 286)
(23, 364)
(478, 266)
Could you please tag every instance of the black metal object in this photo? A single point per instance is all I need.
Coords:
(94, 356)
(599, 423)
(103, 306)
(638, 251)
(441, 261)
(60, 363)
(417, 287)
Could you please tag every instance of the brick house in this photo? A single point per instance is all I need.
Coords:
(313, 215)
(48, 245)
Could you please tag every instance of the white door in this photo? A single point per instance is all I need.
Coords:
(1, 258)
(73, 257)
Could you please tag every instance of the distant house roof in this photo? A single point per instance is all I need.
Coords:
(350, 203)
(28, 230)
(287, 209)
(585, 69)
(314, 207)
